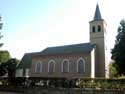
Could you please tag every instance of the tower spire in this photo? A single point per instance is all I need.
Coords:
(97, 15)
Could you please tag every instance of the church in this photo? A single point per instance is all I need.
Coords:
(71, 61)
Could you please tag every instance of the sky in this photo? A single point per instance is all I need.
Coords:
(33, 25)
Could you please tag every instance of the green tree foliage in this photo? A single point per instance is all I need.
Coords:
(1, 24)
(118, 52)
(4, 56)
(1, 44)
(112, 70)
(9, 67)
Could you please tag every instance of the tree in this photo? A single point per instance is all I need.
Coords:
(118, 52)
(4, 56)
(1, 44)
(112, 70)
(9, 67)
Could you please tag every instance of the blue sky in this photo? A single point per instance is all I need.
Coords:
(32, 25)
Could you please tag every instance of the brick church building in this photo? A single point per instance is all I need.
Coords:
(71, 61)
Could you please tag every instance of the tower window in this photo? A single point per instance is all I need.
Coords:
(93, 29)
(99, 28)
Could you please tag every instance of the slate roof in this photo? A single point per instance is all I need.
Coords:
(66, 49)
(97, 15)
(26, 60)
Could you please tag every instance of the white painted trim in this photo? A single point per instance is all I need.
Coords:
(83, 63)
(38, 62)
(19, 73)
(62, 64)
(93, 63)
(41, 67)
(53, 61)
(27, 72)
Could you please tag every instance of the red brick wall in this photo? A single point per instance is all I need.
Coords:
(58, 59)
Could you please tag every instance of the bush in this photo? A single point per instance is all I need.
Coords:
(99, 83)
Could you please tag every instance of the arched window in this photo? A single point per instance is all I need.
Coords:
(93, 29)
(51, 66)
(65, 65)
(38, 68)
(80, 65)
(99, 28)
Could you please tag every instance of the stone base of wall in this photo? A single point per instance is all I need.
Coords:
(38, 90)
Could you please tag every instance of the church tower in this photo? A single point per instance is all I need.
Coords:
(98, 37)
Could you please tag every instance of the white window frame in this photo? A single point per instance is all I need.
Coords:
(62, 64)
(38, 62)
(49, 65)
(83, 64)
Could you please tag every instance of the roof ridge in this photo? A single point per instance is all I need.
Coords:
(69, 45)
